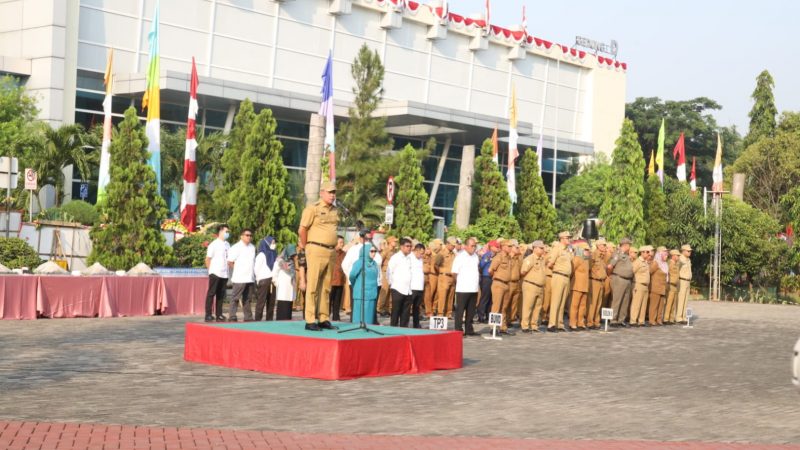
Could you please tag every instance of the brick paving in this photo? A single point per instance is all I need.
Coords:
(726, 381)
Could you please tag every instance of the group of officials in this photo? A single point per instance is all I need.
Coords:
(535, 285)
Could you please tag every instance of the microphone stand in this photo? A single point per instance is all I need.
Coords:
(362, 325)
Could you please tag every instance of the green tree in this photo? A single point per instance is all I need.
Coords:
(762, 115)
(363, 147)
(488, 227)
(17, 117)
(133, 210)
(489, 189)
(413, 217)
(231, 160)
(622, 213)
(58, 148)
(655, 212)
(581, 196)
(693, 117)
(535, 213)
(772, 167)
(686, 223)
(261, 198)
(16, 253)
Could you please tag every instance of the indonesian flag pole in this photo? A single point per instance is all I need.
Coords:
(495, 146)
(513, 153)
(693, 177)
(189, 195)
(717, 173)
(524, 21)
(488, 11)
(680, 157)
(105, 156)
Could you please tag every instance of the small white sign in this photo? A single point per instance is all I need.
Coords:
(31, 179)
(689, 314)
(438, 323)
(389, 218)
(9, 166)
(607, 314)
(495, 319)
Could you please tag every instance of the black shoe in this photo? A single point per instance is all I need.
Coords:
(209, 318)
(233, 319)
(328, 326)
(313, 327)
(248, 320)
(625, 325)
(525, 330)
(551, 329)
(220, 318)
(510, 333)
(471, 333)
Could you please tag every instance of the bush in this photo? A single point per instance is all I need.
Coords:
(488, 227)
(16, 253)
(191, 250)
(82, 212)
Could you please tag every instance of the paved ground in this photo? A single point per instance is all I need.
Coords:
(726, 380)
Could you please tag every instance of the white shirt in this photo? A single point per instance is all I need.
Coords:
(243, 257)
(379, 261)
(350, 259)
(283, 281)
(218, 252)
(262, 270)
(466, 266)
(398, 272)
(417, 274)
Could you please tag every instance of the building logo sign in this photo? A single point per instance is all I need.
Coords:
(591, 44)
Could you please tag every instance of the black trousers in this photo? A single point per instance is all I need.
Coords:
(401, 305)
(265, 297)
(216, 289)
(465, 301)
(283, 311)
(485, 306)
(416, 302)
(336, 301)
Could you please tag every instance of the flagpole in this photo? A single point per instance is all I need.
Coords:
(555, 146)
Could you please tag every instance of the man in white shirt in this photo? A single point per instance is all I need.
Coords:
(417, 285)
(241, 260)
(217, 265)
(467, 280)
(398, 275)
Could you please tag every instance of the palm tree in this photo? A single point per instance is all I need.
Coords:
(60, 147)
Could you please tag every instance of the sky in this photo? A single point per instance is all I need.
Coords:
(678, 50)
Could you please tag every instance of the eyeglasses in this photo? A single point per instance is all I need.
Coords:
(373, 251)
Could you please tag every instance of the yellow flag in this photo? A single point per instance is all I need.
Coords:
(651, 168)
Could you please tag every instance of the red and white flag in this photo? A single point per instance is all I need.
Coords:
(189, 195)
(488, 10)
(524, 20)
(680, 158)
(717, 173)
(495, 146)
(693, 177)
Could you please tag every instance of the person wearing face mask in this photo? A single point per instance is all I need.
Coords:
(443, 261)
(285, 277)
(659, 274)
(417, 284)
(365, 285)
(580, 288)
(641, 285)
(217, 265)
(241, 258)
(265, 293)
(467, 282)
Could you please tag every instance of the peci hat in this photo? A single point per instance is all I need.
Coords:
(328, 186)
(452, 241)
(685, 247)
(600, 241)
(539, 244)
(661, 248)
(513, 243)
(633, 249)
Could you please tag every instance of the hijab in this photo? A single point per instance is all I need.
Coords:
(288, 259)
(363, 256)
(270, 254)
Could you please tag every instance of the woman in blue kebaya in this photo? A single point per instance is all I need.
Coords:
(365, 289)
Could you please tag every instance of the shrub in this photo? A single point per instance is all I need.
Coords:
(82, 212)
(16, 253)
(191, 250)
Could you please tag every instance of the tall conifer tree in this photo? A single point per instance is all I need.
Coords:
(413, 217)
(762, 115)
(489, 190)
(133, 211)
(656, 223)
(232, 159)
(535, 213)
(260, 199)
(622, 212)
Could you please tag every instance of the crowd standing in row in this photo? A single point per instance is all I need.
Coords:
(537, 286)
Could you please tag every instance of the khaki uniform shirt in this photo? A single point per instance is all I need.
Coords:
(685, 268)
(444, 260)
(426, 263)
(516, 267)
(321, 220)
(641, 271)
(534, 269)
(561, 258)
(658, 279)
(500, 269)
(674, 273)
(580, 274)
(621, 265)
(599, 263)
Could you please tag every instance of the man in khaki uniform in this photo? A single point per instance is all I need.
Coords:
(685, 276)
(598, 276)
(580, 287)
(431, 279)
(620, 267)
(500, 270)
(560, 260)
(641, 285)
(672, 293)
(317, 239)
(659, 272)
(534, 276)
(608, 294)
(548, 284)
(514, 286)
(443, 261)
(384, 306)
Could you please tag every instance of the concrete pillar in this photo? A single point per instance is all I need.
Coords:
(229, 118)
(464, 199)
(439, 170)
(316, 141)
(737, 189)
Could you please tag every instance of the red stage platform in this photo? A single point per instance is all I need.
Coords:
(286, 348)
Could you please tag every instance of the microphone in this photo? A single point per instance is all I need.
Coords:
(338, 205)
